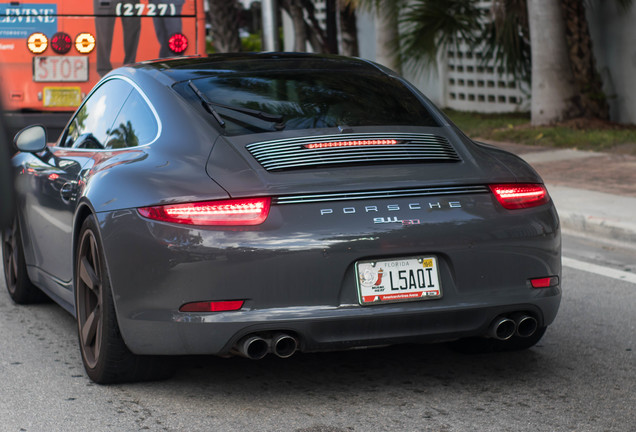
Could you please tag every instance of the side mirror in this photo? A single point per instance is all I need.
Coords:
(31, 139)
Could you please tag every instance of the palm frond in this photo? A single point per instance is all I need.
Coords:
(433, 25)
(506, 38)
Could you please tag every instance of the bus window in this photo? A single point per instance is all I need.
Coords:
(52, 52)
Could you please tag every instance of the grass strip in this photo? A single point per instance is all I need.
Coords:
(584, 134)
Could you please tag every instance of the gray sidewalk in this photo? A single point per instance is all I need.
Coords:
(594, 193)
(596, 213)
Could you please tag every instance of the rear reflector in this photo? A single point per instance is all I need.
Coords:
(249, 211)
(520, 195)
(356, 143)
(545, 282)
(212, 306)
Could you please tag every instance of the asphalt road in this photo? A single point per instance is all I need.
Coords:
(581, 377)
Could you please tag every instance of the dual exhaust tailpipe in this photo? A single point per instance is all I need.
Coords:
(520, 324)
(256, 347)
(283, 345)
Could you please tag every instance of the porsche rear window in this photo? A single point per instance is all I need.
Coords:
(306, 100)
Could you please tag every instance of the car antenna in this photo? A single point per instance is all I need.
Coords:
(206, 103)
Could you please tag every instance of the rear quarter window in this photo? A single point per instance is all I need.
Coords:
(89, 128)
(135, 124)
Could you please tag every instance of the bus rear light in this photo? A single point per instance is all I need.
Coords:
(231, 212)
(37, 43)
(84, 43)
(178, 43)
(61, 42)
(520, 195)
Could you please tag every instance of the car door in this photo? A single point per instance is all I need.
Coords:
(59, 175)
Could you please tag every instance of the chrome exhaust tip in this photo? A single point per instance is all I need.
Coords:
(284, 345)
(526, 325)
(502, 328)
(252, 347)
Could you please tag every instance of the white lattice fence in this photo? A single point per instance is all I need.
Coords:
(472, 84)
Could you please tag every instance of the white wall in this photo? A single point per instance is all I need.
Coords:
(428, 82)
(614, 43)
(455, 82)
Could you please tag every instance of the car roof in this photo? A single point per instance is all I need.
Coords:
(184, 68)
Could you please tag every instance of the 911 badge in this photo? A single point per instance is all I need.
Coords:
(386, 220)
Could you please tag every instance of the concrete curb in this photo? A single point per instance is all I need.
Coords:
(596, 214)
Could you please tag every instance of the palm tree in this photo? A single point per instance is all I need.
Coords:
(553, 88)
(306, 25)
(295, 10)
(387, 34)
(223, 16)
(348, 29)
(590, 101)
(386, 28)
(562, 67)
(578, 64)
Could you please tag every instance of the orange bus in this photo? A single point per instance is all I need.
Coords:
(52, 52)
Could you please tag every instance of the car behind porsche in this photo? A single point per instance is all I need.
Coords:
(274, 203)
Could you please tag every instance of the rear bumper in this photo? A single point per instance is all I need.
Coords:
(303, 282)
(325, 329)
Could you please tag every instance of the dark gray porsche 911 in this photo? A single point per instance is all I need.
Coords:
(274, 203)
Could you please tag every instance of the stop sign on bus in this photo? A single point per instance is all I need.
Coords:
(56, 68)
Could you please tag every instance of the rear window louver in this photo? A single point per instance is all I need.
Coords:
(352, 149)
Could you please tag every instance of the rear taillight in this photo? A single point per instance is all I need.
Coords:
(61, 43)
(37, 43)
(249, 211)
(178, 43)
(520, 195)
(84, 43)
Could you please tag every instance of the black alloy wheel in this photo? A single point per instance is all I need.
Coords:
(89, 291)
(106, 357)
(20, 288)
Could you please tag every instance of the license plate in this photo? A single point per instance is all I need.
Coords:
(62, 96)
(60, 69)
(398, 280)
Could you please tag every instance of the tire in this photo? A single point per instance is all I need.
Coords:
(20, 288)
(479, 345)
(106, 357)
